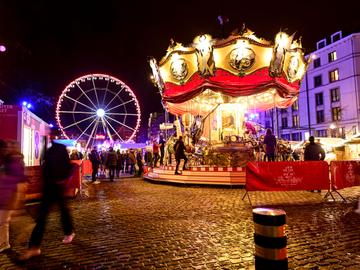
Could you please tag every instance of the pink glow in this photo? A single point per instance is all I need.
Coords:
(2, 48)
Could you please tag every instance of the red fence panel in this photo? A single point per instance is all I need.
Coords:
(345, 174)
(287, 175)
(86, 167)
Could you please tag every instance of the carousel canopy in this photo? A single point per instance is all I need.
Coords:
(241, 69)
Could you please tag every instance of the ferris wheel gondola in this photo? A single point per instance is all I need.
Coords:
(98, 106)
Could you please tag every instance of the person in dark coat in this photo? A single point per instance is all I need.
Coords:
(313, 151)
(95, 160)
(111, 161)
(270, 145)
(162, 149)
(180, 154)
(56, 171)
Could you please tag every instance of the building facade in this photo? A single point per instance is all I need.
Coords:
(328, 103)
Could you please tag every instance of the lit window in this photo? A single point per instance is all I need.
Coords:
(336, 113)
(296, 121)
(335, 94)
(332, 56)
(334, 75)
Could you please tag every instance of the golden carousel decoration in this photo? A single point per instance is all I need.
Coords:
(213, 84)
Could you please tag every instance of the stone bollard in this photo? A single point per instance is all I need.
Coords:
(270, 239)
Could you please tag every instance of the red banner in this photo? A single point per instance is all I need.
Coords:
(287, 175)
(345, 174)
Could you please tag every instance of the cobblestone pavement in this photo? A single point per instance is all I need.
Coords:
(134, 224)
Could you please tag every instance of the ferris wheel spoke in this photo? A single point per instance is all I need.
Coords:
(87, 127)
(103, 120)
(78, 85)
(107, 85)
(120, 123)
(83, 104)
(77, 112)
(92, 132)
(116, 95)
(126, 114)
(122, 104)
(113, 129)
(96, 95)
(78, 122)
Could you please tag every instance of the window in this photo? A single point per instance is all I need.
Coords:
(320, 116)
(283, 110)
(321, 44)
(336, 36)
(321, 133)
(317, 63)
(332, 56)
(334, 75)
(319, 99)
(267, 124)
(336, 113)
(296, 136)
(317, 81)
(335, 94)
(284, 122)
(295, 119)
(285, 136)
(295, 105)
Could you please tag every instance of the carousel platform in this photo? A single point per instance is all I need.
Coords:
(229, 176)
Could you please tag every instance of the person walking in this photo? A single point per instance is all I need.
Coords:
(111, 161)
(270, 145)
(180, 154)
(95, 160)
(56, 170)
(11, 174)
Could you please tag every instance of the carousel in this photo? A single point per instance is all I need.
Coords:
(215, 87)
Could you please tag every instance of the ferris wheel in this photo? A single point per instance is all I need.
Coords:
(98, 106)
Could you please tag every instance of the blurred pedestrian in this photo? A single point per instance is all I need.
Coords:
(162, 149)
(270, 145)
(11, 175)
(156, 149)
(94, 158)
(111, 161)
(56, 171)
(139, 162)
(180, 154)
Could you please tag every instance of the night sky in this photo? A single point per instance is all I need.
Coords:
(51, 43)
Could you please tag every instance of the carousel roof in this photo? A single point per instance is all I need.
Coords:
(241, 68)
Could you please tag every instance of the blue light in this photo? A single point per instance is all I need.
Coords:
(51, 125)
(28, 106)
(24, 103)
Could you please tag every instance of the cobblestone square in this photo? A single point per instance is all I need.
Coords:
(135, 224)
